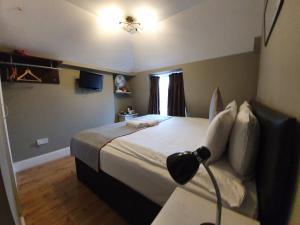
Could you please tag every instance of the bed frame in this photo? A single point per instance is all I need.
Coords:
(276, 165)
(276, 172)
(131, 205)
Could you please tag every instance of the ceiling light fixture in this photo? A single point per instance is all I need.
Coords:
(131, 25)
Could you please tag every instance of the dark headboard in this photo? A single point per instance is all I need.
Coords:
(276, 165)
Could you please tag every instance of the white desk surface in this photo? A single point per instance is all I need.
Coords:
(186, 208)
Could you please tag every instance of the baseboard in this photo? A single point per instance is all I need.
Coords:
(23, 221)
(41, 159)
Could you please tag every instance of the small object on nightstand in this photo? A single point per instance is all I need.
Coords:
(124, 116)
(130, 110)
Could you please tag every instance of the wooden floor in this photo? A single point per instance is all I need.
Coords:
(51, 195)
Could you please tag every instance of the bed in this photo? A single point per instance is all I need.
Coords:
(129, 171)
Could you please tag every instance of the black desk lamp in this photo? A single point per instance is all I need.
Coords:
(183, 166)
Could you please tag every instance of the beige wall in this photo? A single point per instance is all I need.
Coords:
(54, 111)
(279, 76)
(235, 75)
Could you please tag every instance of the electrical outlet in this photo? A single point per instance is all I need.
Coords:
(42, 141)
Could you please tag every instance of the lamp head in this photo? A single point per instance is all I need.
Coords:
(183, 166)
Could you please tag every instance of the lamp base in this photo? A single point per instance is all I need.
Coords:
(207, 224)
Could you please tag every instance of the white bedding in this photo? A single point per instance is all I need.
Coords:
(139, 160)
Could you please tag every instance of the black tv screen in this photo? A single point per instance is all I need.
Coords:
(90, 80)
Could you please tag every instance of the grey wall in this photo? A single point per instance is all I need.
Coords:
(5, 213)
(54, 111)
(279, 75)
(235, 75)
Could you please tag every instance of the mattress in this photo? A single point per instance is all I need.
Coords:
(86, 144)
(138, 160)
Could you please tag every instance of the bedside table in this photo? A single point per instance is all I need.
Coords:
(127, 116)
(186, 208)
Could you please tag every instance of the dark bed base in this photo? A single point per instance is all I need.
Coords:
(131, 205)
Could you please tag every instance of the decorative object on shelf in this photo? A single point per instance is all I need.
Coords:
(121, 85)
(120, 82)
(21, 52)
(183, 166)
(123, 91)
(272, 10)
(13, 75)
(131, 25)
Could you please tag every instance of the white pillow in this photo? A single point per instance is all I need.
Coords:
(245, 105)
(219, 130)
(243, 144)
(216, 104)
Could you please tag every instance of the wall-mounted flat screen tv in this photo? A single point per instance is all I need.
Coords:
(90, 80)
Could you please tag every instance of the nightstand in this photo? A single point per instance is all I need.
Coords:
(186, 208)
(126, 117)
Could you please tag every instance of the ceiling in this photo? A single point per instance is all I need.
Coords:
(164, 8)
(187, 31)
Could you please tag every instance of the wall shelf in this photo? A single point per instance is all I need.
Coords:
(123, 93)
(11, 59)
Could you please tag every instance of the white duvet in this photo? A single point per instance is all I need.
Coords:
(177, 134)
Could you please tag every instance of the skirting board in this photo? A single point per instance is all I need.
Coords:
(23, 221)
(41, 159)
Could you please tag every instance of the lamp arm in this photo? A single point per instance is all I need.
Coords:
(218, 193)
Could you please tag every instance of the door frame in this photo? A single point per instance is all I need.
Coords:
(6, 165)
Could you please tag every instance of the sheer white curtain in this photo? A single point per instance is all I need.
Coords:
(163, 94)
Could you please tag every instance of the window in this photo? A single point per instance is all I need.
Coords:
(163, 85)
(163, 93)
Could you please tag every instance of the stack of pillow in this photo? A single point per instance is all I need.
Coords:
(234, 130)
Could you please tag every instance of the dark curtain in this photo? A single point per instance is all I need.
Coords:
(176, 99)
(154, 96)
